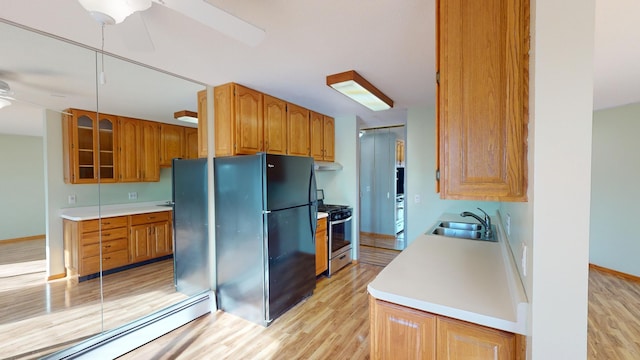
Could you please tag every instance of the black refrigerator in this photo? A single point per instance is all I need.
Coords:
(266, 214)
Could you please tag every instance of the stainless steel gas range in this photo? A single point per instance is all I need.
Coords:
(339, 226)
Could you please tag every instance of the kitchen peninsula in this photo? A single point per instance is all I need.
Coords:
(116, 236)
(449, 296)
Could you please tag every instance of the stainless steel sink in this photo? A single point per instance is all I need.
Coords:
(463, 230)
(460, 225)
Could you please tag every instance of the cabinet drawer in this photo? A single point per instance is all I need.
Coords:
(150, 217)
(322, 224)
(107, 223)
(112, 260)
(107, 247)
(107, 235)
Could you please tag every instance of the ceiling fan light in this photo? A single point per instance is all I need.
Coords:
(110, 12)
(186, 116)
(4, 103)
(351, 84)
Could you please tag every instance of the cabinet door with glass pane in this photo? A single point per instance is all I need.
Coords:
(89, 150)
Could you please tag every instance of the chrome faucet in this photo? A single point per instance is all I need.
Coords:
(486, 222)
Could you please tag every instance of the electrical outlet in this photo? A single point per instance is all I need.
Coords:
(508, 224)
(133, 195)
(416, 198)
(72, 199)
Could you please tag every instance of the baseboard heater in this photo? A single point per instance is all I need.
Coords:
(117, 342)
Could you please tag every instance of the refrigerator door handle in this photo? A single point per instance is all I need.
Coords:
(266, 211)
(313, 206)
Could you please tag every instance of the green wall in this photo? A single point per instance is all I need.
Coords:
(21, 186)
(420, 175)
(615, 170)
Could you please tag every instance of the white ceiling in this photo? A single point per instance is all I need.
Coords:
(390, 43)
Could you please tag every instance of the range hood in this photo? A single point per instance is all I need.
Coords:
(326, 166)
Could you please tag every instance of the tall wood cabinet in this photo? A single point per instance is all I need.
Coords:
(399, 332)
(482, 94)
(191, 143)
(89, 142)
(322, 137)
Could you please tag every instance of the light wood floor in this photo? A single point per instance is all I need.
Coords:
(333, 324)
(39, 317)
(377, 256)
(383, 241)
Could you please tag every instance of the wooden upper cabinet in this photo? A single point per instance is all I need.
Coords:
(190, 143)
(460, 340)
(275, 125)
(328, 137)
(89, 147)
(317, 135)
(322, 137)
(150, 156)
(482, 109)
(249, 120)
(223, 106)
(298, 130)
(203, 150)
(172, 143)
(129, 140)
(139, 146)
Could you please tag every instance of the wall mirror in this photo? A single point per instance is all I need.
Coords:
(44, 308)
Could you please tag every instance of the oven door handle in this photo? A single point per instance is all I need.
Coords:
(340, 221)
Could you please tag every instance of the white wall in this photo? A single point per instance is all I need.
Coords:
(420, 176)
(57, 191)
(21, 187)
(560, 142)
(341, 187)
(614, 189)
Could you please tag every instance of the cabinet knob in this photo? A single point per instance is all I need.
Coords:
(106, 234)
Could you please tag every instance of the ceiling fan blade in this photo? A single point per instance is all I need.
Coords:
(217, 19)
(137, 34)
(11, 98)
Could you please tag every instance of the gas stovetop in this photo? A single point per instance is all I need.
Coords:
(331, 208)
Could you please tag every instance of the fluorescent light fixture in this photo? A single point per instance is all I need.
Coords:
(186, 116)
(351, 84)
(4, 103)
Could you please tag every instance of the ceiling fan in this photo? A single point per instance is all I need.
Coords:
(7, 98)
(110, 12)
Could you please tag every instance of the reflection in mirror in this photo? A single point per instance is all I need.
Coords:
(40, 310)
(382, 183)
(57, 237)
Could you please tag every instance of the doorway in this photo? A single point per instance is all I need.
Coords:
(382, 184)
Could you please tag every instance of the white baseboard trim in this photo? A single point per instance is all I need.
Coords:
(117, 342)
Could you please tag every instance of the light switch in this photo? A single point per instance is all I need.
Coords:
(416, 198)
(72, 199)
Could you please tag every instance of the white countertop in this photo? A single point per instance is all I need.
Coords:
(322, 215)
(470, 280)
(95, 212)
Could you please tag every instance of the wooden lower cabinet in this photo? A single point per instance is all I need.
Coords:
(399, 332)
(322, 253)
(150, 236)
(115, 241)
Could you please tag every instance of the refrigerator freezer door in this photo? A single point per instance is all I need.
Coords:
(291, 258)
(290, 181)
(190, 226)
(240, 245)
